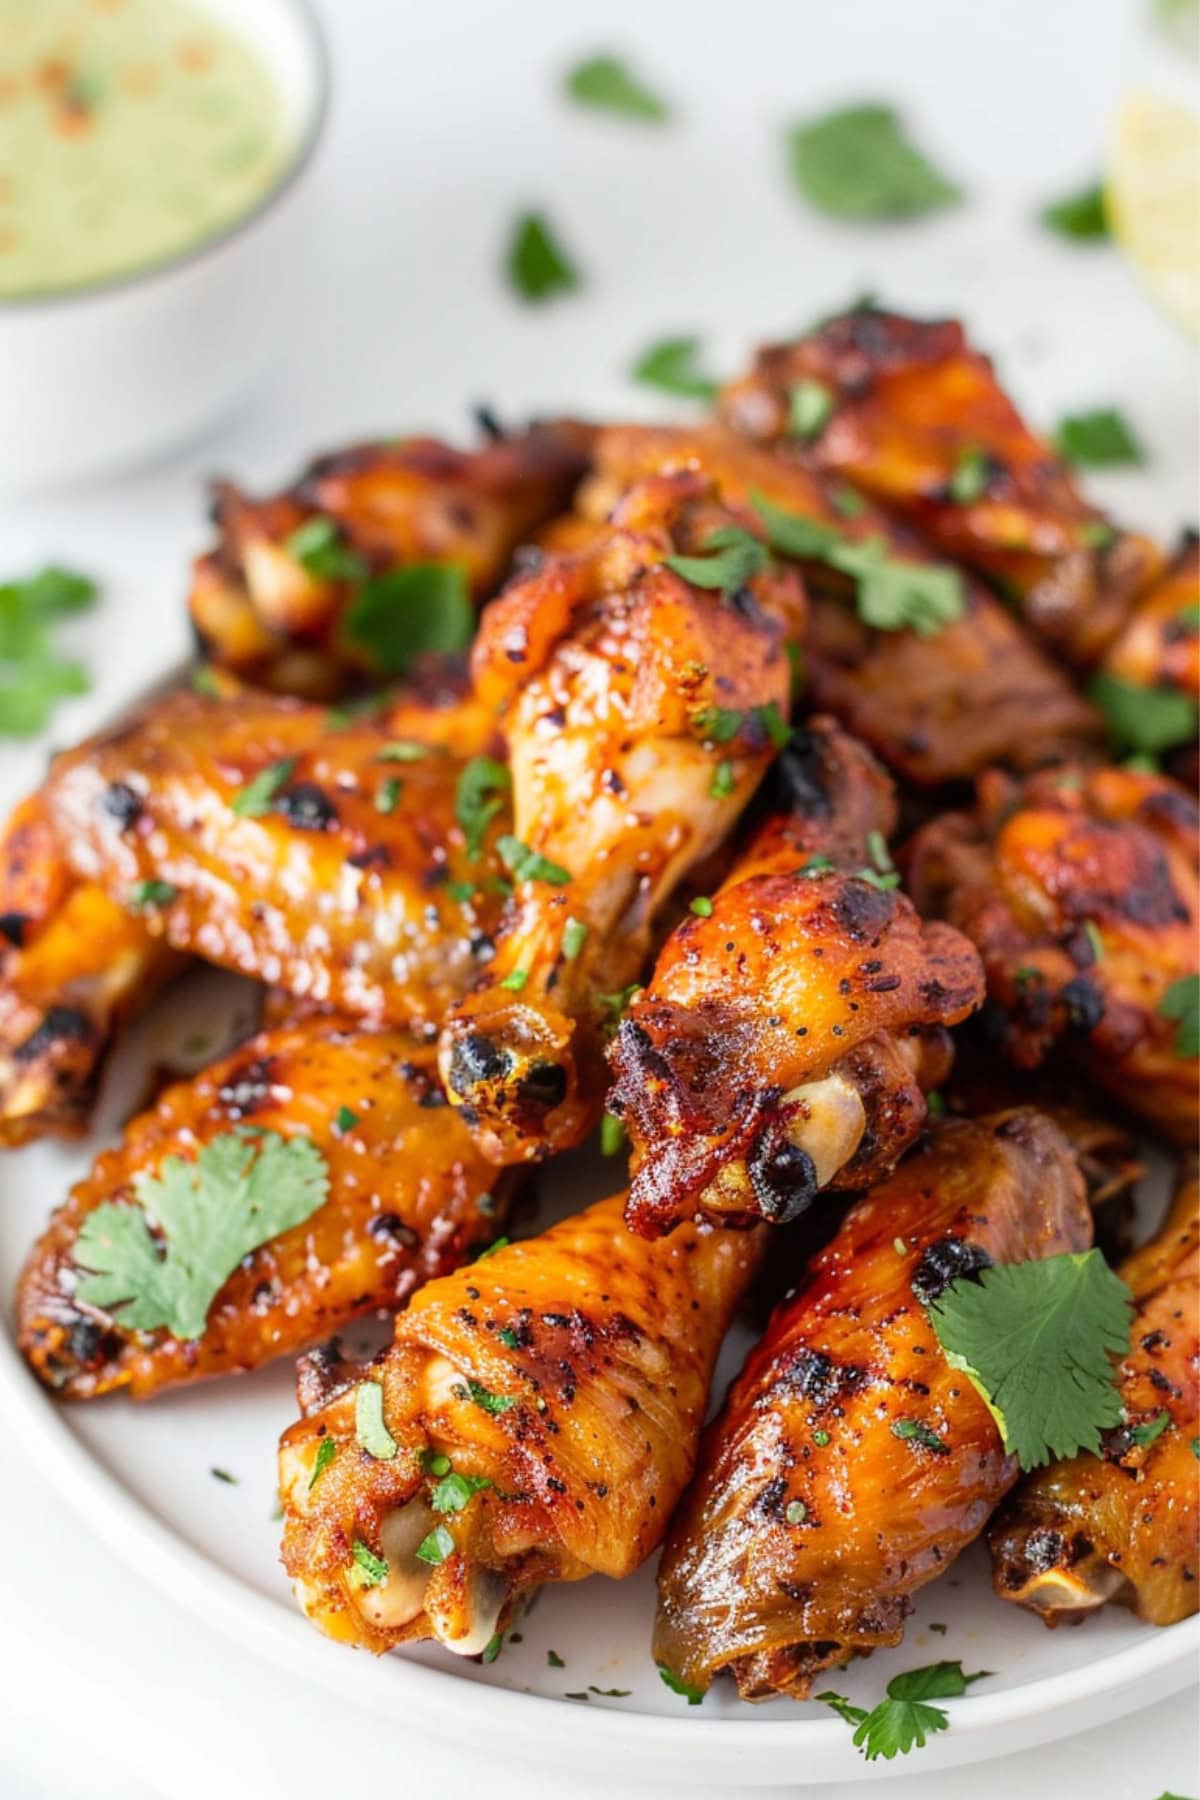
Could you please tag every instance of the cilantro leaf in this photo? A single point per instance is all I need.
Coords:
(317, 546)
(1146, 719)
(1151, 1430)
(810, 407)
(491, 1403)
(609, 84)
(239, 1193)
(1080, 215)
(537, 265)
(479, 796)
(853, 1715)
(856, 163)
(672, 365)
(1036, 1340)
(436, 1547)
(1098, 440)
(424, 606)
(574, 937)
(151, 893)
(255, 799)
(367, 1570)
(693, 1695)
(371, 1434)
(905, 1720)
(524, 864)
(970, 477)
(454, 1492)
(731, 557)
(32, 677)
(326, 1451)
(1182, 1002)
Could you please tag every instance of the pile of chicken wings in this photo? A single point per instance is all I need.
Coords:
(801, 905)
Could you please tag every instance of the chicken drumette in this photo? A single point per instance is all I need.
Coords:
(792, 1024)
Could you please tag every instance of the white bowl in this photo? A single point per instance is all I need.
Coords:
(95, 379)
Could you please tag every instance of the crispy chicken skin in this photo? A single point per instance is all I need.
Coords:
(935, 709)
(569, 1374)
(1079, 887)
(918, 421)
(72, 966)
(808, 1428)
(345, 887)
(784, 1040)
(404, 1206)
(1159, 646)
(1123, 1525)
(609, 667)
(258, 610)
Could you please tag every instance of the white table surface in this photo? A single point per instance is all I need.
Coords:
(445, 123)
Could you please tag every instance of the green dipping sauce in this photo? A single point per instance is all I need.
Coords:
(130, 130)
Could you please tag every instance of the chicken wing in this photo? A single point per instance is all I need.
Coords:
(913, 417)
(641, 709)
(935, 709)
(788, 1032)
(1079, 887)
(274, 599)
(1123, 1525)
(263, 835)
(409, 1196)
(72, 965)
(543, 1408)
(850, 1463)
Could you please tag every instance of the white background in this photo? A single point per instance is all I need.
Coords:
(446, 121)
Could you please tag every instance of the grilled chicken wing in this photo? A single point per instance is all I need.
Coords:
(545, 1405)
(279, 614)
(325, 858)
(409, 1195)
(641, 711)
(1123, 1525)
(785, 1039)
(72, 965)
(915, 419)
(1080, 889)
(935, 709)
(851, 1463)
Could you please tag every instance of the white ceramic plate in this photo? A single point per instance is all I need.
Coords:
(143, 1477)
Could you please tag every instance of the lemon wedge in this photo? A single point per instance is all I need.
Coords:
(1153, 200)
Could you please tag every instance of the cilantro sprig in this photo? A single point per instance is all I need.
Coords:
(421, 608)
(1146, 720)
(731, 557)
(857, 163)
(33, 677)
(905, 1720)
(479, 796)
(241, 1191)
(1037, 1340)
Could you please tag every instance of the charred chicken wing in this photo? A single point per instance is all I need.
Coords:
(540, 1412)
(1123, 1525)
(851, 1463)
(284, 597)
(73, 964)
(641, 707)
(1080, 889)
(912, 416)
(934, 708)
(788, 1032)
(260, 834)
(408, 1197)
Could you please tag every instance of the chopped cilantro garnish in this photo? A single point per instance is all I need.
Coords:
(206, 681)
(371, 1434)
(914, 1431)
(537, 265)
(815, 865)
(970, 478)
(1182, 1003)
(345, 1120)
(238, 1193)
(677, 1685)
(718, 724)
(614, 1005)
(1095, 534)
(574, 937)
(388, 796)
(673, 365)
(255, 799)
(225, 1476)
(436, 1546)
(1098, 440)
(500, 1243)
(151, 893)
(702, 906)
(848, 502)
(491, 1403)
(905, 1720)
(724, 781)
(326, 1451)
(1146, 719)
(885, 882)
(554, 1660)
(454, 1492)
(515, 981)
(612, 1135)
(423, 606)
(509, 1338)
(1080, 215)
(1036, 1339)
(525, 864)
(1152, 1429)
(479, 796)
(779, 732)
(857, 163)
(367, 1570)
(402, 752)
(317, 546)
(732, 557)
(608, 83)
(810, 407)
(32, 676)
(610, 1693)
(462, 891)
